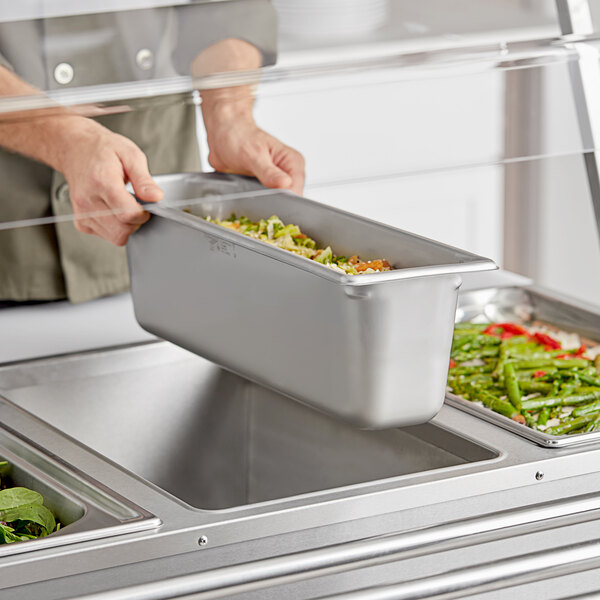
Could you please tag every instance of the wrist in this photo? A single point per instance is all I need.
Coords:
(226, 105)
(65, 135)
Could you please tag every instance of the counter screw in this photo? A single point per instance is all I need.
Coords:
(202, 540)
(539, 476)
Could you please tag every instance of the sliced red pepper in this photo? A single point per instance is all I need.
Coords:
(546, 340)
(514, 328)
(539, 373)
(581, 351)
(504, 330)
(452, 363)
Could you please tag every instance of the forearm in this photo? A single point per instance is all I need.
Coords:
(227, 102)
(42, 134)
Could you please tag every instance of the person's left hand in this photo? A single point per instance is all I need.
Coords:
(238, 145)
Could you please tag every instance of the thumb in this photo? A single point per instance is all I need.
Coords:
(136, 171)
(269, 174)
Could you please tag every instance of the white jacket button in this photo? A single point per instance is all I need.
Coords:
(144, 59)
(63, 73)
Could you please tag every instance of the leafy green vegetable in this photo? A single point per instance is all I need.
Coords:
(34, 513)
(14, 497)
(23, 515)
(7, 535)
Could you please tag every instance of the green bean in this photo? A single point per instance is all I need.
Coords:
(560, 400)
(471, 370)
(504, 407)
(591, 380)
(593, 425)
(525, 348)
(597, 364)
(466, 325)
(572, 425)
(587, 409)
(559, 363)
(459, 342)
(550, 373)
(535, 386)
(478, 377)
(562, 390)
(543, 416)
(586, 389)
(463, 356)
(503, 356)
(511, 385)
(538, 355)
(531, 422)
(567, 389)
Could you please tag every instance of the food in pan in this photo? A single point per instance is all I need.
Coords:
(23, 515)
(543, 378)
(289, 237)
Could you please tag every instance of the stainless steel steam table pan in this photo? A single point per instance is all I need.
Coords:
(86, 509)
(525, 305)
(372, 349)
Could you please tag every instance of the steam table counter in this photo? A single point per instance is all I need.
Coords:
(182, 480)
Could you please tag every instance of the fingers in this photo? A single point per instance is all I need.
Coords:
(265, 170)
(276, 165)
(242, 147)
(97, 171)
(106, 226)
(292, 162)
(93, 205)
(129, 214)
(136, 170)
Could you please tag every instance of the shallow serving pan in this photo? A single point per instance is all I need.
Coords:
(525, 305)
(372, 349)
(86, 509)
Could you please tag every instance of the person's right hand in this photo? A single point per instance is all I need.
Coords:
(97, 165)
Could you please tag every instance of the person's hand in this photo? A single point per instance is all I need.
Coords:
(237, 145)
(97, 165)
(95, 162)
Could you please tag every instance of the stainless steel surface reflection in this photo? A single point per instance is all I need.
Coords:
(211, 438)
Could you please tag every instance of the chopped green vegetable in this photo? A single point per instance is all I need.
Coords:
(526, 376)
(290, 237)
(23, 515)
(325, 256)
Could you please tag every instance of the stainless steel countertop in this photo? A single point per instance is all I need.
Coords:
(520, 515)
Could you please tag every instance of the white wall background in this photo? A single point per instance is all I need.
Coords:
(393, 146)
